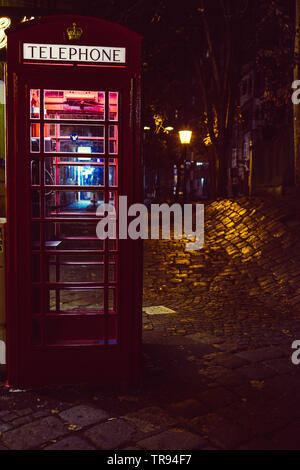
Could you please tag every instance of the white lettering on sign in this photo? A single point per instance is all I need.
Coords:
(73, 53)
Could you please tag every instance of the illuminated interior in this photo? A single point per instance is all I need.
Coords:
(74, 152)
(69, 137)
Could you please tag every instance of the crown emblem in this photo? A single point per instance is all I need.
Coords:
(74, 32)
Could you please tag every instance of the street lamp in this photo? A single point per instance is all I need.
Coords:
(185, 139)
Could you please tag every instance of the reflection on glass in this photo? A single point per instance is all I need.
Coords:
(75, 300)
(35, 172)
(35, 236)
(34, 104)
(113, 106)
(73, 258)
(60, 230)
(36, 297)
(73, 202)
(113, 140)
(113, 199)
(58, 173)
(112, 245)
(35, 268)
(112, 268)
(74, 244)
(111, 300)
(34, 137)
(72, 138)
(61, 271)
(35, 204)
(74, 104)
(78, 159)
(113, 172)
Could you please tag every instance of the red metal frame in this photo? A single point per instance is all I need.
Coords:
(66, 350)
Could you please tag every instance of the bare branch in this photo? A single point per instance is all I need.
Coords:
(211, 48)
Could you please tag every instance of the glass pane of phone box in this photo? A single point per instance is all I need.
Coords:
(72, 202)
(74, 104)
(58, 173)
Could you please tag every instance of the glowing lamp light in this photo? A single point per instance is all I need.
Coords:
(4, 24)
(146, 128)
(169, 129)
(185, 136)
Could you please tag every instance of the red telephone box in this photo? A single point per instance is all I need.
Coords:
(73, 125)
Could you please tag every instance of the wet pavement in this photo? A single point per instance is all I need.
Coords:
(216, 369)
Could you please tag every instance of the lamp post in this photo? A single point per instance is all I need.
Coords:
(185, 139)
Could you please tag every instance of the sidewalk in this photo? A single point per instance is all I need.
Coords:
(216, 372)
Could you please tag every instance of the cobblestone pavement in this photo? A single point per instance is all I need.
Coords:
(217, 371)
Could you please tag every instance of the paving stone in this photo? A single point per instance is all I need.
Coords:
(39, 414)
(217, 398)
(287, 438)
(220, 431)
(260, 443)
(281, 366)
(113, 434)
(230, 378)
(239, 412)
(205, 338)
(266, 421)
(71, 443)
(20, 421)
(84, 415)
(149, 420)
(173, 439)
(230, 361)
(187, 408)
(24, 412)
(33, 435)
(9, 417)
(260, 355)
(5, 427)
(254, 396)
(257, 372)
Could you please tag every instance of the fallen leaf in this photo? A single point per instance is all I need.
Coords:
(191, 358)
(128, 398)
(259, 385)
(73, 427)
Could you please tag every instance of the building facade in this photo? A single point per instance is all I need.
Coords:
(262, 140)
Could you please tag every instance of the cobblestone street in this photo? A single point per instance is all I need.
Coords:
(216, 368)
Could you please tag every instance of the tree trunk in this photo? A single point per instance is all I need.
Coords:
(221, 164)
